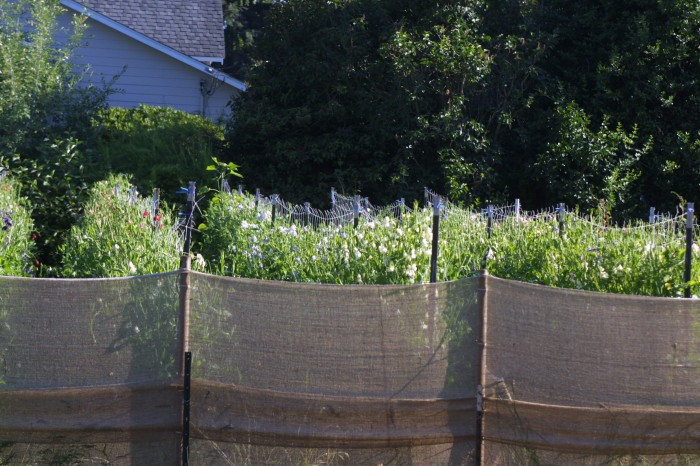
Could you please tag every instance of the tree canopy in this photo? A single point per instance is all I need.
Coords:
(562, 101)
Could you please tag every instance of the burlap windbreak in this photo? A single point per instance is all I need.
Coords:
(290, 374)
(308, 374)
(87, 371)
(575, 377)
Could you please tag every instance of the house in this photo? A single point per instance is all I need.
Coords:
(163, 51)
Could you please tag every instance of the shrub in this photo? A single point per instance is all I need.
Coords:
(159, 146)
(16, 245)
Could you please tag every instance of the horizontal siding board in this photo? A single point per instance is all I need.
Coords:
(150, 77)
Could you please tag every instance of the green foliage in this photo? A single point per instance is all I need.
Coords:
(159, 146)
(121, 234)
(631, 64)
(40, 96)
(583, 167)
(55, 182)
(45, 116)
(17, 249)
(240, 240)
(474, 98)
(324, 110)
(244, 19)
(223, 169)
(442, 67)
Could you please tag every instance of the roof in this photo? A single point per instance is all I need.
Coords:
(193, 27)
(196, 62)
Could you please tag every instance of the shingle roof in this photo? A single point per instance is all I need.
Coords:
(192, 27)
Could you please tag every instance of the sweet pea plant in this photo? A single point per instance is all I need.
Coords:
(121, 234)
(240, 239)
(637, 259)
(16, 236)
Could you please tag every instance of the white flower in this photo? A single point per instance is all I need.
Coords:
(116, 246)
(199, 260)
(132, 267)
(411, 270)
(382, 249)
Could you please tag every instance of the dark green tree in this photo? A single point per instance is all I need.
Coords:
(244, 19)
(626, 66)
(325, 108)
(485, 100)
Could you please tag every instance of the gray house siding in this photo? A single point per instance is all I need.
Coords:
(150, 77)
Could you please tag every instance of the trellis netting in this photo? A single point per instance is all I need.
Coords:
(288, 373)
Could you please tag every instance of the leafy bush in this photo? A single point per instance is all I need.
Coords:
(16, 246)
(121, 234)
(159, 146)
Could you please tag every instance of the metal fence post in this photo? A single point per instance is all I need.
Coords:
(184, 303)
(436, 233)
(489, 220)
(356, 211)
(156, 205)
(186, 410)
(561, 210)
(689, 210)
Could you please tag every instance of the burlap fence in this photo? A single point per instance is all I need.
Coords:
(284, 373)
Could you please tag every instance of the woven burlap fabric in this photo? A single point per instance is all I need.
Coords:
(288, 373)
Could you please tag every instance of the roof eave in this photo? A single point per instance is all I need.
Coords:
(210, 59)
(159, 46)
